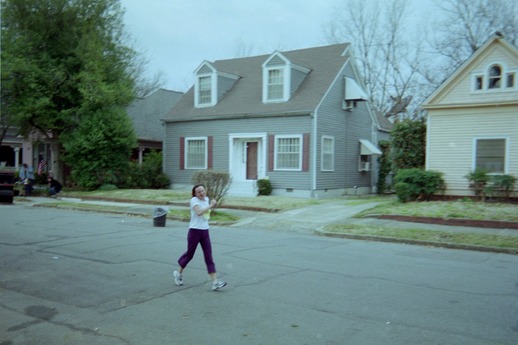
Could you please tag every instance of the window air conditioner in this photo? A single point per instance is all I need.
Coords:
(365, 166)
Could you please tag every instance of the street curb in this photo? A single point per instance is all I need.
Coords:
(419, 242)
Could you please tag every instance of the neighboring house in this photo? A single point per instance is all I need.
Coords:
(146, 114)
(299, 118)
(473, 117)
(384, 126)
(15, 151)
(10, 151)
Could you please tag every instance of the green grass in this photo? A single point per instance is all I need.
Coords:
(486, 240)
(165, 195)
(447, 209)
(388, 204)
(133, 194)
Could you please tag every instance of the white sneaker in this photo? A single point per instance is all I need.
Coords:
(218, 284)
(178, 279)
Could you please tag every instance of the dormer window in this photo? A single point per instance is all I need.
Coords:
(281, 78)
(205, 87)
(275, 84)
(495, 76)
(205, 90)
(276, 87)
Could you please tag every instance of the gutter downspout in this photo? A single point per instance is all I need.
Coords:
(313, 152)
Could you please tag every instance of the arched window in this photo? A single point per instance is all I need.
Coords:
(495, 76)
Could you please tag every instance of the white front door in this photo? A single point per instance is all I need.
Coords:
(247, 162)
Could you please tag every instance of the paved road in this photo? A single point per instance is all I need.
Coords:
(70, 277)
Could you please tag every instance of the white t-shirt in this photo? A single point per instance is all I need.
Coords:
(199, 222)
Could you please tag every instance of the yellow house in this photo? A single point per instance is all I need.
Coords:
(473, 117)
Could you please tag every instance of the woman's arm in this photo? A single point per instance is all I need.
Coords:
(201, 210)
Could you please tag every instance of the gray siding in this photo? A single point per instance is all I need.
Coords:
(220, 131)
(347, 127)
(297, 77)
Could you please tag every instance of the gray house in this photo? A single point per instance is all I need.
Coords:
(146, 114)
(298, 118)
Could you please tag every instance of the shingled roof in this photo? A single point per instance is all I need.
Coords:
(146, 113)
(244, 99)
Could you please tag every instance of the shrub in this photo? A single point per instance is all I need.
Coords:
(152, 171)
(161, 181)
(417, 184)
(385, 166)
(501, 185)
(40, 179)
(478, 181)
(406, 191)
(216, 183)
(108, 187)
(146, 175)
(264, 187)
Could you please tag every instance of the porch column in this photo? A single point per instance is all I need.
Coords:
(140, 155)
(16, 157)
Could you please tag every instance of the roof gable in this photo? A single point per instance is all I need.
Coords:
(205, 68)
(461, 89)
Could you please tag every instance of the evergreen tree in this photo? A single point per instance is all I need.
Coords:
(408, 144)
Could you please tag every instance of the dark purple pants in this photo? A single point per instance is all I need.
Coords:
(194, 237)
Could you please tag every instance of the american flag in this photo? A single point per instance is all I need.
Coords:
(41, 165)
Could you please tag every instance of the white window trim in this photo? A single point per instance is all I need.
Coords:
(506, 76)
(506, 153)
(186, 153)
(499, 77)
(322, 153)
(275, 154)
(505, 70)
(286, 72)
(213, 90)
(474, 83)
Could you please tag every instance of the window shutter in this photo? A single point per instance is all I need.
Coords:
(209, 152)
(305, 152)
(271, 145)
(182, 153)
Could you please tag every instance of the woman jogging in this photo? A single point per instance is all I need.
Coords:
(199, 234)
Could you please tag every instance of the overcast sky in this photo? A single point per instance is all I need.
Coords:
(176, 36)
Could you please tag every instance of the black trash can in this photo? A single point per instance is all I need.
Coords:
(159, 216)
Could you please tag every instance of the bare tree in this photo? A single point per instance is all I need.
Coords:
(388, 57)
(464, 26)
